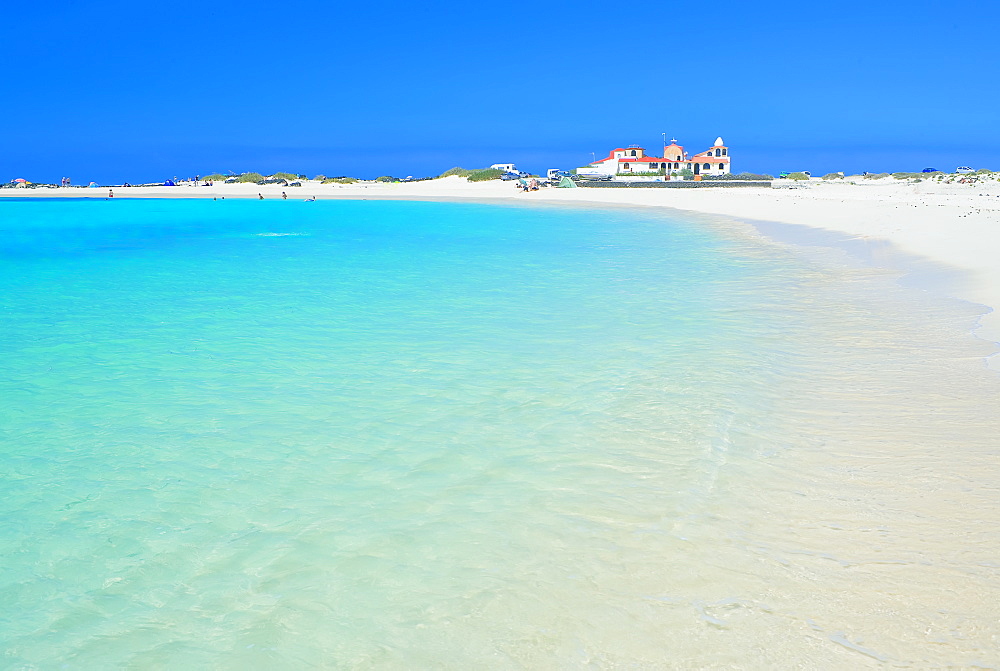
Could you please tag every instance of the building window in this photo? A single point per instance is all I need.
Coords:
(633, 152)
(706, 167)
(724, 152)
(689, 166)
(654, 166)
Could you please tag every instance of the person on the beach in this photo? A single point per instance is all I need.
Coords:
(284, 196)
(260, 196)
(111, 194)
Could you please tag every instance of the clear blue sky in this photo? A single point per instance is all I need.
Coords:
(138, 91)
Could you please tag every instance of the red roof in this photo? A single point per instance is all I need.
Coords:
(658, 159)
(611, 155)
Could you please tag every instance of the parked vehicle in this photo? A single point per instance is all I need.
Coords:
(509, 176)
(930, 170)
(964, 170)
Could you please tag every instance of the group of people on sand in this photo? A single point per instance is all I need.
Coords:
(529, 185)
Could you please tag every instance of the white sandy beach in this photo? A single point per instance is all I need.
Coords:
(950, 232)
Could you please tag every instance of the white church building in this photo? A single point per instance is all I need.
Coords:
(633, 160)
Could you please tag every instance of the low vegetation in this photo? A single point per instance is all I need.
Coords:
(485, 175)
(458, 172)
(250, 177)
(214, 177)
(740, 177)
(337, 180)
(833, 175)
(799, 176)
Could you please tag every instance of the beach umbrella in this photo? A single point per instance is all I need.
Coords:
(20, 180)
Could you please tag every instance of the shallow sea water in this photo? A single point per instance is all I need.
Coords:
(361, 434)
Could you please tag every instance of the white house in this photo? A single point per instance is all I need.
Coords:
(633, 160)
(503, 167)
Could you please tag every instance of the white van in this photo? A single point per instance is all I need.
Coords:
(964, 170)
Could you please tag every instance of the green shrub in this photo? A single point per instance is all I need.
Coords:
(251, 177)
(833, 175)
(337, 180)
(984, 171)
(798, 176)
(386, 178)
(320, 178)
(457, 172)
(876, 175)
(485, 175)
(214, 177)
(741, 177)
(285, 175)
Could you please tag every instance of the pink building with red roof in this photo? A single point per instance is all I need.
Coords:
(633, 160)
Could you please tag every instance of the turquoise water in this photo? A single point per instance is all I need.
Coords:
(361, 434)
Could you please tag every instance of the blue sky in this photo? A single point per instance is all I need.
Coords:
(134, 91)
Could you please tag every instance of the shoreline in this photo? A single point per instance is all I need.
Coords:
(945, 237)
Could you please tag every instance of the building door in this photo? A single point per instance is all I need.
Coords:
(697, 168)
